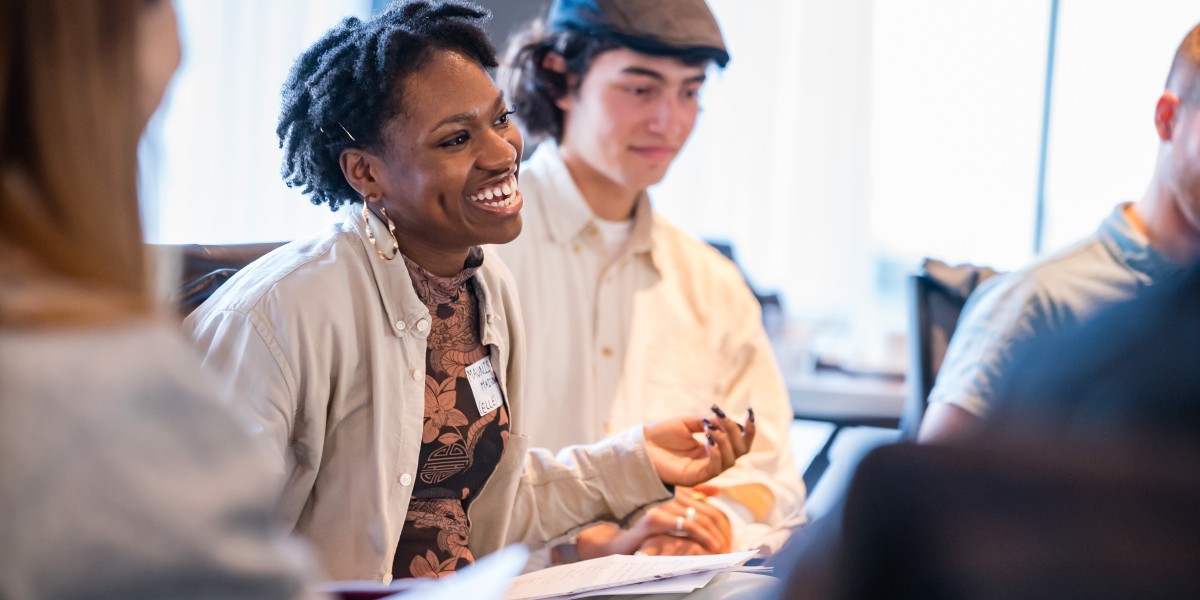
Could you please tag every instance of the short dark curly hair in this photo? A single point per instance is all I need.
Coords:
(533, 89)
(343, 90)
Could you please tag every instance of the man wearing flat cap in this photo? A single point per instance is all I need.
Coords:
(629, 318)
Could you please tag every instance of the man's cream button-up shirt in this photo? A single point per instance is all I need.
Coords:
(667, 328)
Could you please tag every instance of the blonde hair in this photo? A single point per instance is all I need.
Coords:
(71, 247)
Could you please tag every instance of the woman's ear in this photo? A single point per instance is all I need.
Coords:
(360, 168)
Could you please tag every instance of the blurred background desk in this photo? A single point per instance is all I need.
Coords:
(847, 399)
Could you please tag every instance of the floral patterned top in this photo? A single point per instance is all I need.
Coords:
(464, 436)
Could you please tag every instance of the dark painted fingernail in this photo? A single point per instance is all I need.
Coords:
(708, 424)
(750, 409)
(742, 429)
(717, 411)
(711, 441)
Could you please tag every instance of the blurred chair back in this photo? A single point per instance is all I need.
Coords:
(206, 267)
(1023, 520)
(936, 297)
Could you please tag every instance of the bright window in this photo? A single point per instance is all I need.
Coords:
(847, 139)
(211, 158)
(1113, 59)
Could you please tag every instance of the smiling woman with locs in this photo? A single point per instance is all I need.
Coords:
(383, 360)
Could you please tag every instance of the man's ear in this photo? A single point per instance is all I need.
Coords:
(555, 62)
(360, 169)
(1164, 115)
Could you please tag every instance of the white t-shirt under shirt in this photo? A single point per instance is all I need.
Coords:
(614, 235)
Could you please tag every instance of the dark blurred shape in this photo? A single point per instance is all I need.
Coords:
(936, 297)
(1022, 521)
(195, 292)
(207, 267)
(1083, 484)
(1131, 376)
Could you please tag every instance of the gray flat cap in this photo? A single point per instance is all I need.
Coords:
(659, 27)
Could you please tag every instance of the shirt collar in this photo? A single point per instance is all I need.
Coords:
(571, 216)
(1131, 247)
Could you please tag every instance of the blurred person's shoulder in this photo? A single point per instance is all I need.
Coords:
(1062, 284)
(86, 369)
(1082, 375)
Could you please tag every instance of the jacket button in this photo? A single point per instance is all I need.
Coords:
(422, 325)
(400, 325)
(416, 374)
(406, 480)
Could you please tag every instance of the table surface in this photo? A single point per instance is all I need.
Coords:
(841, 397)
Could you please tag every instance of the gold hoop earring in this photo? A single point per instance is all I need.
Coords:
(371, 234)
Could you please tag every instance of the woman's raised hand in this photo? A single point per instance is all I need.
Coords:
(682, 458)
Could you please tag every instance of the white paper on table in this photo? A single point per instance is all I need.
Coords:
(616, 570)
(682, 584)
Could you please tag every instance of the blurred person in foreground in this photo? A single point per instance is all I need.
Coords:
(1139, 245)
(1081, 483)
(629, 317)
(123, 476)
(383, 359)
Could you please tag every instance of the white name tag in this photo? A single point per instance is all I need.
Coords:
(485, 386)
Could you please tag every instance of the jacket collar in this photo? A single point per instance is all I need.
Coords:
(404, 309)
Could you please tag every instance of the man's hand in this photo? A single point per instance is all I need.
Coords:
(680, 459)
(667, 545)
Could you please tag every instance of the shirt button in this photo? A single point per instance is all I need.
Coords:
(606, 351)
(406, 480)
(416, 374)
(422, 325)
(400, 325)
